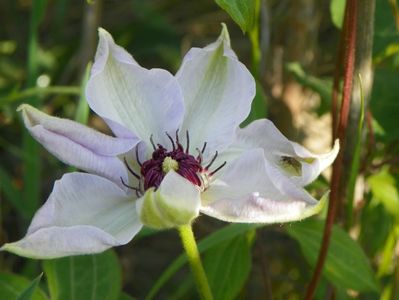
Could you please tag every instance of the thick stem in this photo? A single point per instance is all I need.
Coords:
(190, 246)
(364, 69)
(337, 80)
(349, 60)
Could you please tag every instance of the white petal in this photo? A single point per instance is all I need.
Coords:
(218, 91)
(78, 145)
(250, 191)
(263, 134)
(314, 164)
(146, 102)
(54, 242)
(175, 203)
(84, 214)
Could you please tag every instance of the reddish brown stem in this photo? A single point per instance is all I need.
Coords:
(337, 78)
(349, 59)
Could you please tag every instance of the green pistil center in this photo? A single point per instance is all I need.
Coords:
(169, 164)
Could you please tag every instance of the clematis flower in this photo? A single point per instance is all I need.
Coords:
(177, 151)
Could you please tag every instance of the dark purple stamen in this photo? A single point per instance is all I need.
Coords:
(203, 148)
(137, 155)
(188, 166)
(177, 136)
(199, 157)
(171, 140)
(130, 169)
(152, 170)
(187, 141)
(218, 168)
(152, 142)
(212, 161)
(137, 190)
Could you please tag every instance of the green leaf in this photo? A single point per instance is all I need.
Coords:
(391, 50)
(84, 277)
(385, 31)
(384, 189)
(232, 257)
(372, 237)
(226, 233)
(384, 102)
(243, 12)
(28, 293)
(12, 286)
(337, 11)
(346, 265)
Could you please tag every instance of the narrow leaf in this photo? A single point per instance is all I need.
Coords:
(28, 293)
(82, 111)
(12, 286)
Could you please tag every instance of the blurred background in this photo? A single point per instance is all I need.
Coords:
(291, 49)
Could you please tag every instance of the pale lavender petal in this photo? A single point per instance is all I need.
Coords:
(84, 214)
(78, 145)
(250, 191)
(146, 102)
(218, 91)
(283, 153)
(55, 242)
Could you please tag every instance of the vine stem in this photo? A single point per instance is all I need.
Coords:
(349, 62)
(190, 246)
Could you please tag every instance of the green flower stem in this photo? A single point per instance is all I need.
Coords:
(190, 246)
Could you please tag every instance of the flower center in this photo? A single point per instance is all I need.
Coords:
(162, 161)
(153, 170)
(169, 164)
